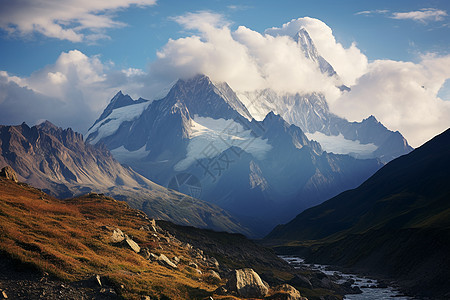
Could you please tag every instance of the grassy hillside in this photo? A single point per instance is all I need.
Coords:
(70, 240)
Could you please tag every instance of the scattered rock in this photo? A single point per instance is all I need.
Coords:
(247, 283)
(8, 173)
(166, 262)
(301, 281)
(213, 277)
(132, 244)
(214, 274)
(286, 292)
(176, 260)
(212, 263)
(110, 292)
(145, 253)
(98, 280)
(221, 290)
(117, 236)
(187, 245)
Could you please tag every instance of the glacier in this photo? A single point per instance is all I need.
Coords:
(209, 137)
(111, 124)
(338, 144)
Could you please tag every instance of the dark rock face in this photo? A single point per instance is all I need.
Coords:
(8, 173)
(395, 224)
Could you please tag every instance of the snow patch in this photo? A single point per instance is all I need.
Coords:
(209, 137)
(338, 144)
(109, 125)
(124, 155)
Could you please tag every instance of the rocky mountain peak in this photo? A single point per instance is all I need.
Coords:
(118, 101)
(205, 98)
(371, 119)
(306, 44)
(48, 126)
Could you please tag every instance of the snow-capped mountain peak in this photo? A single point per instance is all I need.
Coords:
(306, 44)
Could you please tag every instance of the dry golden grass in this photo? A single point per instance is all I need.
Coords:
(68, 240)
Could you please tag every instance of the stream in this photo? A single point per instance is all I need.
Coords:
(368, 286)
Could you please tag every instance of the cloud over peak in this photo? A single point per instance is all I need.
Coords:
(249, 60)
(402, 95)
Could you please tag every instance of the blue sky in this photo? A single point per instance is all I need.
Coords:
(148, 28)
(64, 60)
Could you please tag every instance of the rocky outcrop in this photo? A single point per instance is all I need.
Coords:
(286, 292)
(8, 173)
(117, 236)
(247, 283)
(213, 277)
(133, 245)
(165, 261)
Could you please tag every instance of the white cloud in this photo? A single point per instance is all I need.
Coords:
(403, 96)
(248, 60)
(75, 89)
(73, 20)
(423, 15)
(72, 92)
(245, 59)
(371, 12)
(349, 63)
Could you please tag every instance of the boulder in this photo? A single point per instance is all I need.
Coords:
(212, 263)
(212, 277)
(163, 260)
(221, 290)
(117, 236)
(214, 274)
(132, 244)
(246, 283)
(301, 281)
(97, 280)
(8, 173)
(286, 292)
(193, 265)
(145, 253)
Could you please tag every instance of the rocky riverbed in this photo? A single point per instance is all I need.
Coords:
(371, 289)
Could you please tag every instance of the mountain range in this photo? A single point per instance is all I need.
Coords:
(60, 163)
(262, 155)
(260, 171)
(395, 224)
